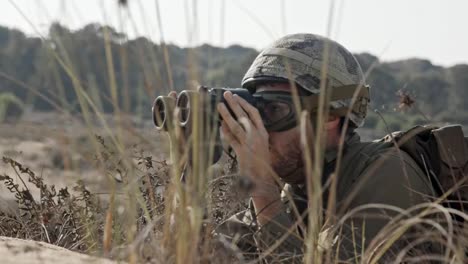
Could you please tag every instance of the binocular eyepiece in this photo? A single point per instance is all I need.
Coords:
(205, 100)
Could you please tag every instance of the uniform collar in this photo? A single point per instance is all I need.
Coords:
(331, 156)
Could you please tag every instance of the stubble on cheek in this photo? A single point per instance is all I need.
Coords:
(286, 159)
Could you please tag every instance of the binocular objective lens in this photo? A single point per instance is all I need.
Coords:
(160, 113)
(183, 104)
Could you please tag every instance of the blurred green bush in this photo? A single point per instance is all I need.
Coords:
(11, 107)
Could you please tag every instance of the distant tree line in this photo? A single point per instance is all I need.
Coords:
(98, 67)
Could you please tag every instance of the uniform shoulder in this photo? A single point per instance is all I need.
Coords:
(376, 166)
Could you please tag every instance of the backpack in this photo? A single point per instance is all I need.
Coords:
(442, 153)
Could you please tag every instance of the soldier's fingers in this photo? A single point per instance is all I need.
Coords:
(234, 105)
(173, 94)
(230, 137)
(248, 126)
(234, 127)
(252, 112)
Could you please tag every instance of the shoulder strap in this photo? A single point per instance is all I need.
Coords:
(452, 149)
(442, 153)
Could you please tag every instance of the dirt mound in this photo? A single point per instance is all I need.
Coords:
(19, 251)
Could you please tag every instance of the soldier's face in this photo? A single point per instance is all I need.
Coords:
(285, 148)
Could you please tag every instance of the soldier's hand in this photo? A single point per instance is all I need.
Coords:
(173, 94)
(249, 139)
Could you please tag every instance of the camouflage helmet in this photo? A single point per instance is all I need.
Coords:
(299, 58)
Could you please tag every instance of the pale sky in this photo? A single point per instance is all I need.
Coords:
(390, 29)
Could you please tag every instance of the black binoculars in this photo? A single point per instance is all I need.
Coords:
(188, 102)
(205, 100)
(276, 108)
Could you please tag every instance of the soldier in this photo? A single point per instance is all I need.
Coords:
(267, 143)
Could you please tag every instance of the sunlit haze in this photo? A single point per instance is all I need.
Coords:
(392, 30)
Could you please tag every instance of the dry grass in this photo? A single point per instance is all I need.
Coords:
(148, 198)
(97, 222)
(141, 212)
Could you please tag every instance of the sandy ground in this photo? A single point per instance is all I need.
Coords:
(60, 151)
(18, 251)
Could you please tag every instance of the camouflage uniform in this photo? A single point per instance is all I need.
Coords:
(382, 174)
(386, 177)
